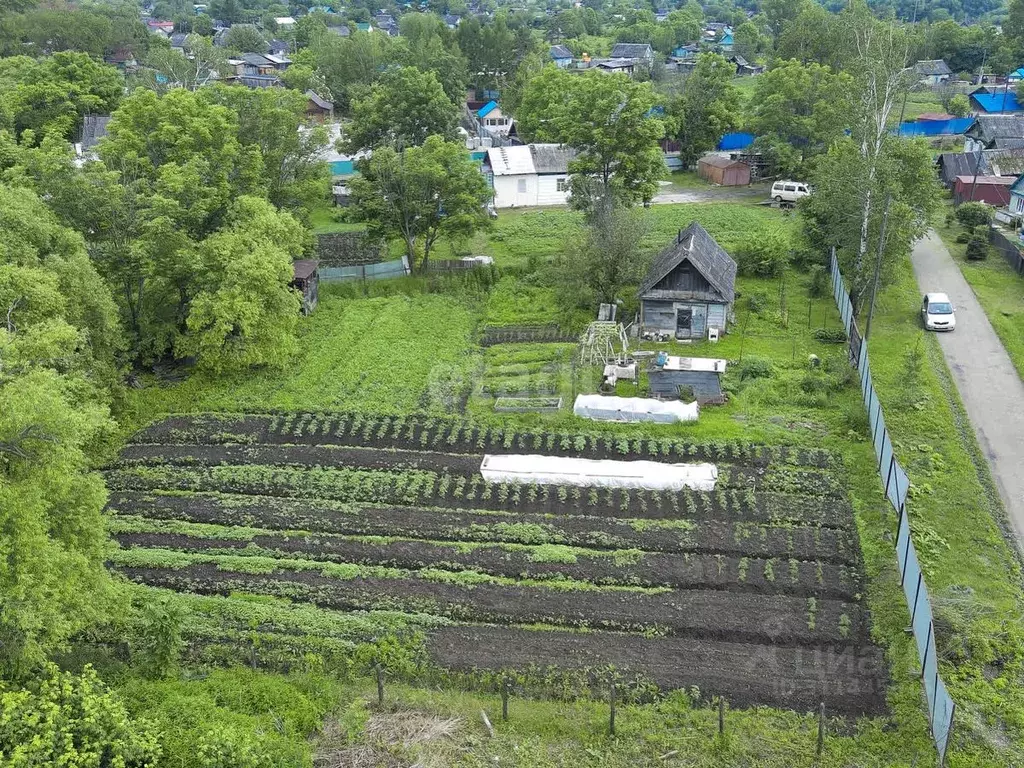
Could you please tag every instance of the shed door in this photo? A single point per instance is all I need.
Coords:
(684, 319)
(699, 323)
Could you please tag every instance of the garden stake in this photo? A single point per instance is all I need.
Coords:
(821, 727)
(611, 709)
(380, 686)
(721, 717)
(504, 698)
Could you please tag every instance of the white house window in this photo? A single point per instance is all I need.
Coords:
(562, 185)
(521, 187)
(1020, 204)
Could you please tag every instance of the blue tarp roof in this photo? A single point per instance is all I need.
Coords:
(998, 102)
(735, 141)
(487, 108)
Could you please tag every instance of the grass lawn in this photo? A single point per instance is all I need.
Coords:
(684, 181)
(324, 220)
(1000, 292)
(416, 351)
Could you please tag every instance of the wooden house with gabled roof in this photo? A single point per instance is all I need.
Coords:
(689, 288)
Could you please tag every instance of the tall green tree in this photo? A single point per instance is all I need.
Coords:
(58, 342)
(427, 44)
(174, 166)
(52, 94)
(421, 194)
(401, 110)
(244, 313)
(609, 121)
(271, 120)
(350, 65)
(903, 175)
(199, 64)
(707, 108)
(603, 257)
(801, 109)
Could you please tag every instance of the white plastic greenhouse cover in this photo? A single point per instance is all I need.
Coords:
(601, 408)
(562, 470)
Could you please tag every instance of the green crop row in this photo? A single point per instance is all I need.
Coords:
(260, 564)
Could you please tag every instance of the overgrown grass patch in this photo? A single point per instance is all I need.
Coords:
(389, 354)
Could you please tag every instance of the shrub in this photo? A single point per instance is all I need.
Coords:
(819, 284)
(977, 249)
(972, 215)
(757, 302)
(830, 335)
(959, 106)
(763, 255)
(68, 719)
(755, 368)
(963, 237)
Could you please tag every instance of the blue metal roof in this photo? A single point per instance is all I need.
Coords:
(487, 108)
(998, 102)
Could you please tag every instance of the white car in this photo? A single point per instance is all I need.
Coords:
(937, 312)
(789, 191)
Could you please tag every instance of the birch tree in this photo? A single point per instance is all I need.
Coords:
(883, 74)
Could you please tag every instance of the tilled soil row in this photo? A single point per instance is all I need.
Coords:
(709, 538)
(347, 457)
(644, 569)
(850, 679)
(413, 434)
(428, 490)
(732, 616)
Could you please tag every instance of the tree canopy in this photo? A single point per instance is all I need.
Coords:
(401, 110)
(707, 108)
(608, 119)
(420, 194)
(58, 341)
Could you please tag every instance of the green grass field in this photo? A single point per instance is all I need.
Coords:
(413, 352)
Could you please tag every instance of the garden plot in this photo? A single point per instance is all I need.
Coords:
(752, 591)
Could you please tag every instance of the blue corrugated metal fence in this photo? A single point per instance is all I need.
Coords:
(940, 705)
(936, 127)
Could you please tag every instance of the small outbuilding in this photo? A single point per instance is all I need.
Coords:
(932, 72)
(994, 190)
(723, 171)
(318, 108)
(689, 288)
(306, 280)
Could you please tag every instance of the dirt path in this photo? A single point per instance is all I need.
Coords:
(670, 196)
(989, 386)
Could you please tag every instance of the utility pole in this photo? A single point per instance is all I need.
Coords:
(977, 168)
(878, 264)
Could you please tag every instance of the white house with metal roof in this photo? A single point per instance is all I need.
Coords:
(529, 175)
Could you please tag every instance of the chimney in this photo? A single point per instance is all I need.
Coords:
(679, 236)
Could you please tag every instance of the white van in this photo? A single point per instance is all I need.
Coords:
(789, 191)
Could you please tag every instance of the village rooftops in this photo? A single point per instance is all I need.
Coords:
(560, 52)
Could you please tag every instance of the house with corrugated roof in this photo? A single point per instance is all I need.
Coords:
(561, 55)
(995, 132)
(932, 71)
(1000, 103)
(641, 54)
(529, 175)
(492, 120)
(690, 287)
